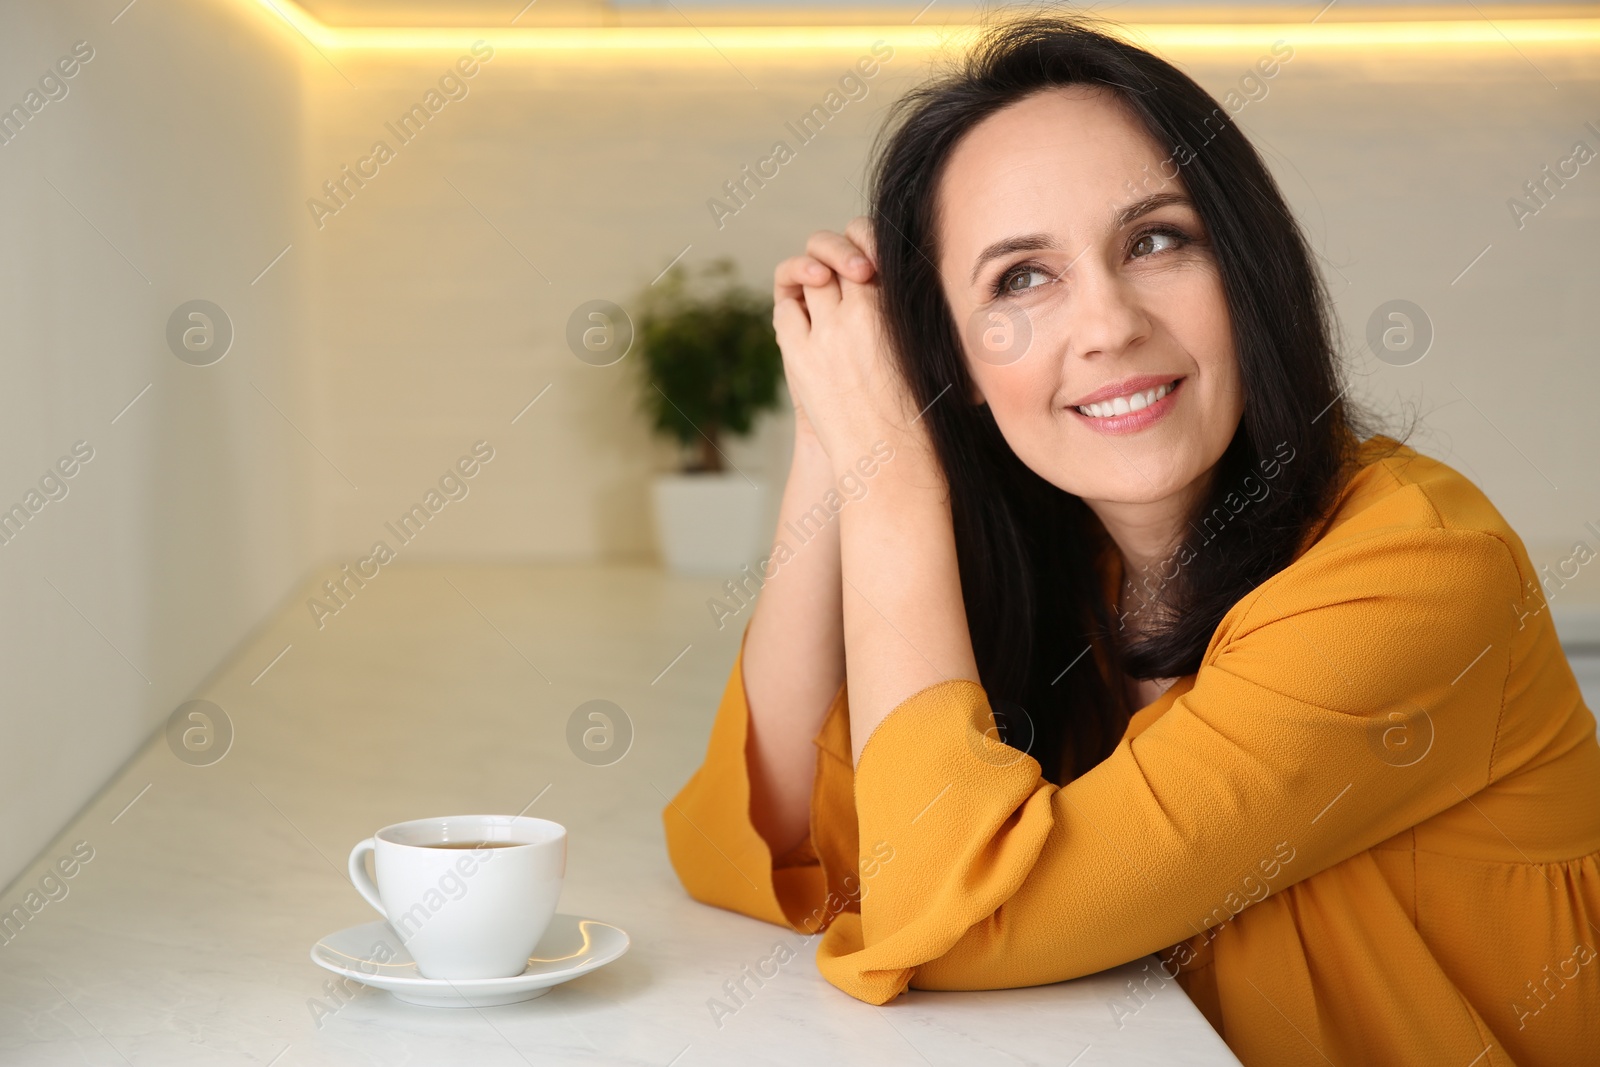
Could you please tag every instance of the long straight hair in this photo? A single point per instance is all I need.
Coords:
(1031, 555)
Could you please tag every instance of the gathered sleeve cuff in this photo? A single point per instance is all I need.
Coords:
(722, 859)
(951, 823)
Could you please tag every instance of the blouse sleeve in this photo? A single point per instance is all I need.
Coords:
(1334, 708)
(723, 860)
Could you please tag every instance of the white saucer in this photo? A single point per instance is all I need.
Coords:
(570, 947)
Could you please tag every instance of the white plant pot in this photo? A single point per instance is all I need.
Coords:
(708, 523)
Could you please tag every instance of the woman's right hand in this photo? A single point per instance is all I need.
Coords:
(827, 254)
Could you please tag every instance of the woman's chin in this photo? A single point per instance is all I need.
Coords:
(1122, 495)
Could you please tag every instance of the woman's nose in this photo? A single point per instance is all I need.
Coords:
(1105, 315)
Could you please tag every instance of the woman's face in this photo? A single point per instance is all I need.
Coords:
(1085, 285)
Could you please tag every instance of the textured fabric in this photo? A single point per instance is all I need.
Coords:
(1366, 831)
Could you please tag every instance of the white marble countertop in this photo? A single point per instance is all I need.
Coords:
(447, 690)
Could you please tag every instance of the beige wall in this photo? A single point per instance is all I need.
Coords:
(435, 324)
(432, 331)
(159, 178)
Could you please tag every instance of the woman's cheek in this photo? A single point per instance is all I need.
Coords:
(1189, 306)
(1022, 398)
(1019, 389)
(1202, 325)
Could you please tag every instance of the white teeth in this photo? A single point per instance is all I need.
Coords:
(1122, 405)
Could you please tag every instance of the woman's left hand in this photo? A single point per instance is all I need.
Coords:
(840, 366)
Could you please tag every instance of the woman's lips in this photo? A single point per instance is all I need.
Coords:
(1134, 421)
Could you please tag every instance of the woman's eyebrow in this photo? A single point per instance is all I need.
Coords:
(1036, 242)
(1140, 208)
(1025, 242)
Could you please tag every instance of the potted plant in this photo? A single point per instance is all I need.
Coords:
(711, 365)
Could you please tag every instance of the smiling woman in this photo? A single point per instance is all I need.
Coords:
(1330, 675)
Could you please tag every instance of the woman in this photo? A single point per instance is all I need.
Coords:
(1150, 646)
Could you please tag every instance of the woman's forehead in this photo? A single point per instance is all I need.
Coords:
(1063, 160)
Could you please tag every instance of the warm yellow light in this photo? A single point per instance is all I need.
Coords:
(1436, 32)
(1365, 34)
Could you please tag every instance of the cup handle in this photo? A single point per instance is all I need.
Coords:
(361, 879)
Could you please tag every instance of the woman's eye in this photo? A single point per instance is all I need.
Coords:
(1022, 279)
(1153, 242)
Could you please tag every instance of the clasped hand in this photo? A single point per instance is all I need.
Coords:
(846, 388)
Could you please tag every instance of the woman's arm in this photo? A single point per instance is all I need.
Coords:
(905, 625)
(794, 660)
(779, 742)
(793, 657)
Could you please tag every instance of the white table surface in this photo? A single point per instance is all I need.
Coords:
(446, 690)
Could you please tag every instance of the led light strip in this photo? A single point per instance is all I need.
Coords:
(1438, 32)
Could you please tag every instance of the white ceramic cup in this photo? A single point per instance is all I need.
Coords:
(465, 912)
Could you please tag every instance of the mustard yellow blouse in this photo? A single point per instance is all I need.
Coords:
(1368, 827)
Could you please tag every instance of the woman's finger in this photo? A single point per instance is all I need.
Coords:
(822, 299)
(859, 231)
(796, 272)
(789, 319)
(840, 253)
